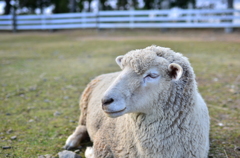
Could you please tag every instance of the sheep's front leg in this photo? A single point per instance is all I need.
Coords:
(78, 135)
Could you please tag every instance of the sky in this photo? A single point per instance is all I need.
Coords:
(2, 4)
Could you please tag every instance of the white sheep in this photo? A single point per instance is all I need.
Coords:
(151, 109)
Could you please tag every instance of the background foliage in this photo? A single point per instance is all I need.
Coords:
(64, 6)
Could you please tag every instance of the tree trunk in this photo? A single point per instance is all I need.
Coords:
(42, 6)
(72, 6)
(89, 5)
(230, 4)
(7, 8)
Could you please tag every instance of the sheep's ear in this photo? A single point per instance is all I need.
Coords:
(175, 71)
(118, 60)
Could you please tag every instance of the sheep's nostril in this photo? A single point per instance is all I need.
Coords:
(106, 101)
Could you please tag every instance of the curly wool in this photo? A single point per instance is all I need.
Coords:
(178, 124)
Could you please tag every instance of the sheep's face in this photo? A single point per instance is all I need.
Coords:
(144, 79)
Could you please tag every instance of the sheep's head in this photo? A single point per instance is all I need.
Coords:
(146, 78)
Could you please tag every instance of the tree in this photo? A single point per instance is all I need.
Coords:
(127, 4)
(80, 5)
(158, 4)
(122, 4)
(7, 9)
(230, 4)
(32, 5)
(135, 4)
(89, 5)
(182, 3)
(103, 5)
(61, 6)
(148, 4)
(72, 6)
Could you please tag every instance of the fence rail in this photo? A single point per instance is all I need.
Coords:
(175, 18)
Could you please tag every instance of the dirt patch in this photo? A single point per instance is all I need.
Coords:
(169, 35)
(145, 34)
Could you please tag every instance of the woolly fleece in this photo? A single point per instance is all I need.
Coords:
(145, 111)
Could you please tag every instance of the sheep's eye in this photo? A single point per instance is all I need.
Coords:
(152, 75)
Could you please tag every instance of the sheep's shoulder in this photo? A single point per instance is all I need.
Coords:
(89, 94)
(85, 99)
(90, 103)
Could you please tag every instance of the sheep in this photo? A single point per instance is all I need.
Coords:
(150, 109)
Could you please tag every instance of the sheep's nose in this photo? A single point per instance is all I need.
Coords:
(107, 101)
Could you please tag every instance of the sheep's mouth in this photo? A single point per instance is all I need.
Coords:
(115, 112)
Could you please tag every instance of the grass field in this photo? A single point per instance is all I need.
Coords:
(43, 74)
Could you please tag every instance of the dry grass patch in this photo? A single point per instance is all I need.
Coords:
(43, 75)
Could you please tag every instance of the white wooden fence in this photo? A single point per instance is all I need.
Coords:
(175, 18)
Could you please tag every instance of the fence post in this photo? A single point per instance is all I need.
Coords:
(14, 20)
(131, 18)
(229, 29)
(83, 20)
(98, 20)
(43, 21)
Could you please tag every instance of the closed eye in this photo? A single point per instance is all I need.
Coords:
(152, 75)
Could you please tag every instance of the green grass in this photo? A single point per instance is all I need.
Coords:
(42, 73)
